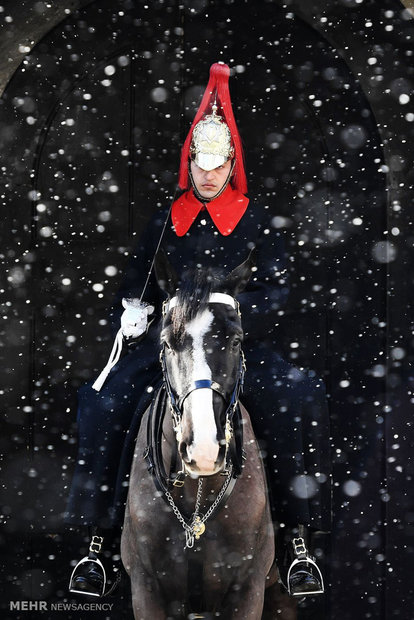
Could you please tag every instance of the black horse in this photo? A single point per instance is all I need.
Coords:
(198, 538)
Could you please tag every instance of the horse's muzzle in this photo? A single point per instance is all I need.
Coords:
(205, 462)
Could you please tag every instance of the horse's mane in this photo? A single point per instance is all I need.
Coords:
(193, 295)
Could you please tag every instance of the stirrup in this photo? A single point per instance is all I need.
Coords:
(72, 587)
(316, 573)
(303, 558)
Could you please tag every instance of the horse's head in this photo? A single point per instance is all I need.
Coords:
(202, 359)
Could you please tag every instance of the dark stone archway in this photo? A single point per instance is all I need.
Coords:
(92, 124)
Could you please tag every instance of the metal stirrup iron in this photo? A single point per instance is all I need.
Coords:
(303, 559)
(94, 548)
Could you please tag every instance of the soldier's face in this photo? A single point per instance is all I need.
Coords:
(210, 182)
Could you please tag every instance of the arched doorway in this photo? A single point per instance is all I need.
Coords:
(95, 119)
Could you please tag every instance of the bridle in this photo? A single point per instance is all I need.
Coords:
(231, 398)
(195, 525)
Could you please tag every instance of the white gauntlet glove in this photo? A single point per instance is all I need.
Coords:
(134, 322)
(134, 319)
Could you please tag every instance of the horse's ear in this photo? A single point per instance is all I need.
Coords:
(236, 281)
(165, 273)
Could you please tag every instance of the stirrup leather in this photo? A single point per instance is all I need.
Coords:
(303, 558)
(72, 587)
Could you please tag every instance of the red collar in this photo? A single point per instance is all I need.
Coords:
(226, 211)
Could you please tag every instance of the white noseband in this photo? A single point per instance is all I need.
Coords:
(215, 298)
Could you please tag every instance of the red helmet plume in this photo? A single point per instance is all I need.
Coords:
(216, 94)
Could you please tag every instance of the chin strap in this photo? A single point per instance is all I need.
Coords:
(195, 190)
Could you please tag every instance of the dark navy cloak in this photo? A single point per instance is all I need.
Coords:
(287, 406)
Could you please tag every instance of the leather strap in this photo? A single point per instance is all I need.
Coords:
(215, 298)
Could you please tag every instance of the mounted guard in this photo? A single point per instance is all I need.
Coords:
(212, 224)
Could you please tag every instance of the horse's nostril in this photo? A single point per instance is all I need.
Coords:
(183, 451)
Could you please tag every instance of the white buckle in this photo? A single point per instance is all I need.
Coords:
(83, 561)
(299, 548)
(318, 576)
(96, 544)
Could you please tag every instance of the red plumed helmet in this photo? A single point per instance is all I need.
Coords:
(213, 137)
